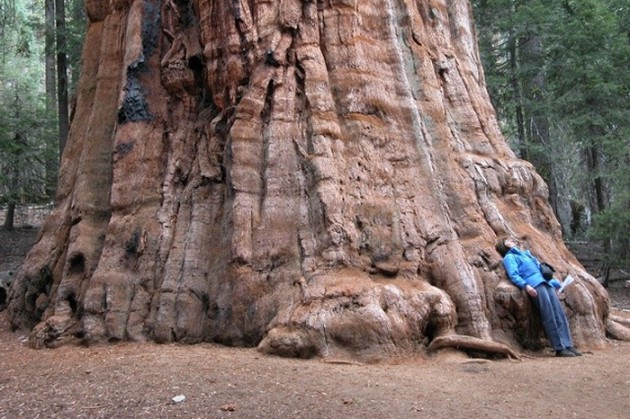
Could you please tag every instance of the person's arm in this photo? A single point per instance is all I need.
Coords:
(511, 267)
(555, 283)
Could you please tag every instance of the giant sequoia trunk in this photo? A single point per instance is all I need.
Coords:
(312, 177)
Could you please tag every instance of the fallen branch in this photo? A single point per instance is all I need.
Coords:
(473, 343)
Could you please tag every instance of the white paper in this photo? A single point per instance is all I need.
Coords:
(567, 281)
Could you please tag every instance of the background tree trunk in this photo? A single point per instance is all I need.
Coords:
(309, 177)
(62, 74)
(49, 53)
(9, 217)
(50, 74)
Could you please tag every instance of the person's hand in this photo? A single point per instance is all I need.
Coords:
(531, 291)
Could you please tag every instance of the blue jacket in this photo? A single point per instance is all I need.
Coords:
(524, 269)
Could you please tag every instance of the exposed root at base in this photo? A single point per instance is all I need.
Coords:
(53, 332)
(620, 316)
(617, 329)
(473, 343)
(342, 362)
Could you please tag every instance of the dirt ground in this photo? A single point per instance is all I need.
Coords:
(144, 380)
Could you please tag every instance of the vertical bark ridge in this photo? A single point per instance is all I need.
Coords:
(86, 201)
(451, 271)
(118, 296)
(45, 261)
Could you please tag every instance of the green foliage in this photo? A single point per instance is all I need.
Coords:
(76, 27)
(28, 131)
(24, 124)
(7, 13)
(559, 76)
(613, 225)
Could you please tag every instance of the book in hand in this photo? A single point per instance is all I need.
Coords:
(567, 281)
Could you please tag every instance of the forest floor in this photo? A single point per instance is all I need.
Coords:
(143, 380)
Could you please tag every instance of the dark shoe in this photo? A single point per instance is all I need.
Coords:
(565, 353)
(575, 351)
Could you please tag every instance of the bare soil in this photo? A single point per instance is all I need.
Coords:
(142, 379)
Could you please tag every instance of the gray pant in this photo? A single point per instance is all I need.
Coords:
(553, 318)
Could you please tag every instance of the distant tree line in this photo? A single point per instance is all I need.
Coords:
(558, 73)
(39, 61)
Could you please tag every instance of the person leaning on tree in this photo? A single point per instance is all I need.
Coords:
(523, 269)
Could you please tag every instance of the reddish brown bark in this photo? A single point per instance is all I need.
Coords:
(315, 178)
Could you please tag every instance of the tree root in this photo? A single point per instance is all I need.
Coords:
(342, 362)
(620, 316)
(470, 342)
(617, 328)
